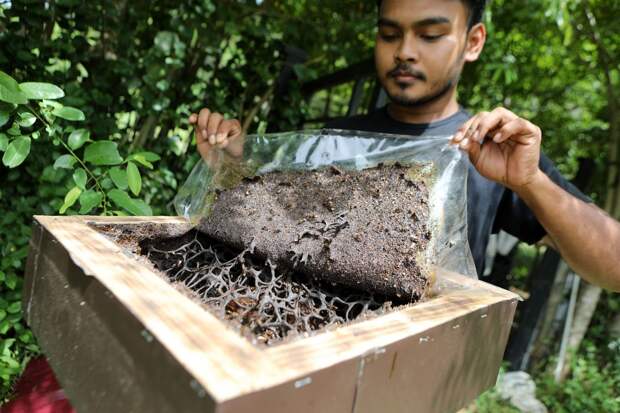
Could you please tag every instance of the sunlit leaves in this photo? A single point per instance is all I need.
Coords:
(89, 200)
(70, 199)
(4, 117)
(133, 206)
(77, 138)
(145, 158)
(119, 177)
(64, 162)
(37, 90)
(10, 91)
(16, 152)
(69, 113)
(80, 178)
(134, 179)
(102, 153)
(26, 119)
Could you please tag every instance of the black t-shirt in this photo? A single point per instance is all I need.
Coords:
(491, 207)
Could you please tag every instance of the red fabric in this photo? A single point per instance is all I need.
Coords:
(38, 391)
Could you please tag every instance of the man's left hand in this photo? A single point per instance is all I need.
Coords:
(502, 147)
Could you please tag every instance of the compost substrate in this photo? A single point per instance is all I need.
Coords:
(265, 302)
(365, 229)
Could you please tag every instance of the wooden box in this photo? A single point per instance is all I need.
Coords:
(122, 339)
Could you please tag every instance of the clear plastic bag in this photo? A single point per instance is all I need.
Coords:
(347, 151)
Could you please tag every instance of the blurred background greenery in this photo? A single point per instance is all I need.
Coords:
(135, 70)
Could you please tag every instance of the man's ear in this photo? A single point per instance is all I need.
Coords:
(475, 42)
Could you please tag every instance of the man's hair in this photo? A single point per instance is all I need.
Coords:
(476, 11)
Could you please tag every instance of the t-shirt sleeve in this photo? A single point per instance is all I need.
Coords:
(516, 218)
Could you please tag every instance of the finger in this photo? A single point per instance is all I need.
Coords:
(519, 131)
(494, 121)
(472, 133)
(472, 148)
(203, 120)
(230, 128)
(460, 133)
(466, 136)
(193, 118)
(223, 131)
(212, 126)
(224, 144)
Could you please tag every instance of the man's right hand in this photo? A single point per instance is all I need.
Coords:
(212, 130)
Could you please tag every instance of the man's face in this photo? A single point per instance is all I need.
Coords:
(420, 48)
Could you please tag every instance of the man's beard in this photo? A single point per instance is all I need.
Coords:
(416, 102)
(402, 100)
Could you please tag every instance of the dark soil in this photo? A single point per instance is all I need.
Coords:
(363, 229)
(289, 254)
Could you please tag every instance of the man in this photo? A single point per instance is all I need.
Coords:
(421, 48)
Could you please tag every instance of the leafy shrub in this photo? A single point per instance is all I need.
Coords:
(593, 385)
(70, 172)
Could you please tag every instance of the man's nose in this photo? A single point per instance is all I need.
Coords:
(408, 49)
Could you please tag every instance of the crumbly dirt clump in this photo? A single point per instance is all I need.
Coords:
(364, 229)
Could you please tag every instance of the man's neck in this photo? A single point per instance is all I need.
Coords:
(431, 112)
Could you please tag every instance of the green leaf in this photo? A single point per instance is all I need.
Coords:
(69, 113)
(26, 337)
(141, 160)
(106, 183)
(102, 153)
(133, 178)
(80, 178)
(10, 362)
(133, 206)
(16, 152)
(51, 104)
(4, 142)
(26, 119)
(11, 281)
(4, 118)
(38, 90)
(89, 200)
(150, 156)
(10, 91)
(145, 158)
(164, 41)
(70, 199)
(14, 130)
(14, 308)
(119, 177)
(4, 326)
(64, 162)
(78, 137)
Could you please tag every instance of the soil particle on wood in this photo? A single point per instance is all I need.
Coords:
(364, 229)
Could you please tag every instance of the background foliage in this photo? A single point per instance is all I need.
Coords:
(134, 70)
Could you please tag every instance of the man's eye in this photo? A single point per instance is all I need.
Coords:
(431, 37)
(388, 37)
